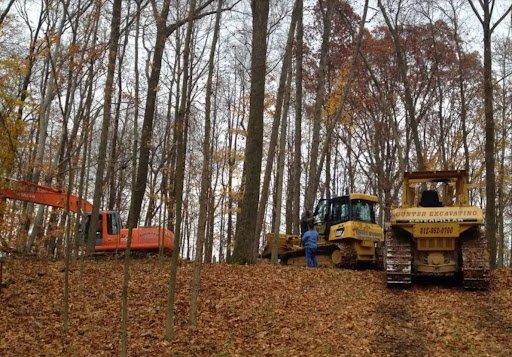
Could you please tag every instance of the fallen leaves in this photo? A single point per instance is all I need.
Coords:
(250, 310)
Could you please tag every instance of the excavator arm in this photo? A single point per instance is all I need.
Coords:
(34, 193)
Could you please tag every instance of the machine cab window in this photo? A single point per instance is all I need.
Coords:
(322, 211)
(363, 211)
(340, 209)
(113, 226)
(113, 223)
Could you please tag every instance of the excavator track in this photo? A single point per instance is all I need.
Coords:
(398, 260)
(476, 272)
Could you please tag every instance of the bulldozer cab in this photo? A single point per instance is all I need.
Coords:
(348, 234)
(357, 207)
(353, 207)
(435, 189)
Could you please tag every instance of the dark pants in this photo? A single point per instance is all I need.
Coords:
(311, 257)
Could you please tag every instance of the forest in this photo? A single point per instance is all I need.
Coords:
(214, 125)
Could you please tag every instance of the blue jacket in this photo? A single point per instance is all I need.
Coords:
(310, 239)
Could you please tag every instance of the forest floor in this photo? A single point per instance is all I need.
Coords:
(249, 310)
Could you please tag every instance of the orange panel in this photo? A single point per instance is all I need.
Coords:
(143, 238)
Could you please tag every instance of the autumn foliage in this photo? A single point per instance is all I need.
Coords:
(250, 310)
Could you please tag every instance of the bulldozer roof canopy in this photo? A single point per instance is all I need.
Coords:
(436, 175)
(364, 196)
(354, 196)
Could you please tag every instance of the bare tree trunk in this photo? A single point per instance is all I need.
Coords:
(289, 189)
(280, 171)
(205, 175)
(30, 60)
(233, 124)
(87, 123)
(501, 177)
(350, 167)
(4, 13)
(490, 160)
(107, 102)
(245, 236)
(147, 129)
(315, 179)
(181, 129)
(149, 114)
(462, 87)
(312, 186)
(297, 156)
(287, 62)
(111, 169)
(208, 256)
(136, 100)
(408, 98)
(67, 256)
(44, 116)
(328, 174)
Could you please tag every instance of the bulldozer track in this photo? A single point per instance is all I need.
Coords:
(475, 261)
(379, 256)
(339, 255)
(348, 255)
(398, 260)
(297, 257)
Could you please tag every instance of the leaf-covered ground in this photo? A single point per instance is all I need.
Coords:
(250, 310)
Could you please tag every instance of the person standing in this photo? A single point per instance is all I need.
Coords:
(310, 243)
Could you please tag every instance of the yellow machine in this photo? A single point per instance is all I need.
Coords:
(436, 232)
(348, 234)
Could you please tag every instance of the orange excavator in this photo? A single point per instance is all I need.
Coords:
(110, 236)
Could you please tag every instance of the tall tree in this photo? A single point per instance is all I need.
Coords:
(297, 157)
(337, 116)
(107, 103)
(490, 153)
(181, 131)
(206, 175)
(278, 197)
(287, 62)
(321, 76)
(53, 64)
(245, 235)
(409, 103)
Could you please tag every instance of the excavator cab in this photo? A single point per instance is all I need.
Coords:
(109, 227)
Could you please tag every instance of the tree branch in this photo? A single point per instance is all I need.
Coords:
(5, 12)
(501, 19)
(476, 11)
(197, 15)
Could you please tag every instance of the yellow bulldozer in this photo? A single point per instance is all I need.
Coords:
(348, 235)
(437, 232)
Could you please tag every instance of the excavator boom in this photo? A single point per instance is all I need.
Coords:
(31, 192)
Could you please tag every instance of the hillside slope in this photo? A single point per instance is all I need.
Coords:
(251, 310)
